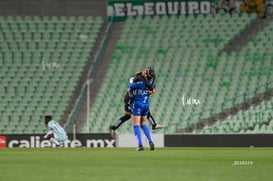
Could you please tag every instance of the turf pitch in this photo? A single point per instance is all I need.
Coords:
(122, 164)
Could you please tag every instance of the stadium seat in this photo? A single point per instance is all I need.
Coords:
(186, 52)
(36, 77)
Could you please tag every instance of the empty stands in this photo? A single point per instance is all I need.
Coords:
(41, 61)
(186, 52)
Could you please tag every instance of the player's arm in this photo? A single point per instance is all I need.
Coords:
(140, 77)
(149, 86)
(143, 77)
(135, 85)
(138, 85)
(49, 134)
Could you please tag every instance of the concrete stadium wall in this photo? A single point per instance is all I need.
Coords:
(53, 7)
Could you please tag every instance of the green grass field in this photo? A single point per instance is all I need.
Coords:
(120, 164)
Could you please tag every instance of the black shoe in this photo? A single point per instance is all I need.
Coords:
(152, 146)
(140, 148)
(112, 132)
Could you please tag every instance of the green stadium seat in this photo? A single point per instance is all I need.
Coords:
(28, 91)
(191, 62)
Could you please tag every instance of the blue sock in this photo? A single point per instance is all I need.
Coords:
(147, 132)
(138, 134)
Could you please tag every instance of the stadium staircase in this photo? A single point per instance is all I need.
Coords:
(42, 61)
(98, 72)
(246, 35)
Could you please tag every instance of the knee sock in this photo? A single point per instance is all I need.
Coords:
(151, 120)
(121, 120)
(138, 134)
(147, 132)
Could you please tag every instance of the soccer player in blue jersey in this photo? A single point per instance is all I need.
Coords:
(140, 109)
(56, 134)
(128, 99)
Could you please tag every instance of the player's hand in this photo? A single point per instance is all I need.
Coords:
(45, 137)
(151, 92)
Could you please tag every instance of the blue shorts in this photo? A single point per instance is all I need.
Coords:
(139, 109)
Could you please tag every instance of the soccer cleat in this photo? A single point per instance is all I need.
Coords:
(60, 145)
(152, 146)
(140, 148)
(112, 132)
(157, 126)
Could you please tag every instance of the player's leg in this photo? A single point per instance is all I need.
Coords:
(121, 120)
(51, 137)
(118, 123)
(61, 139)
(146, 129)
(136, 118)
(153, 122)
(136, 126)
(53, 140)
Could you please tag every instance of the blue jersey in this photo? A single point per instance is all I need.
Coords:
(140, 105)
(140, 93)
